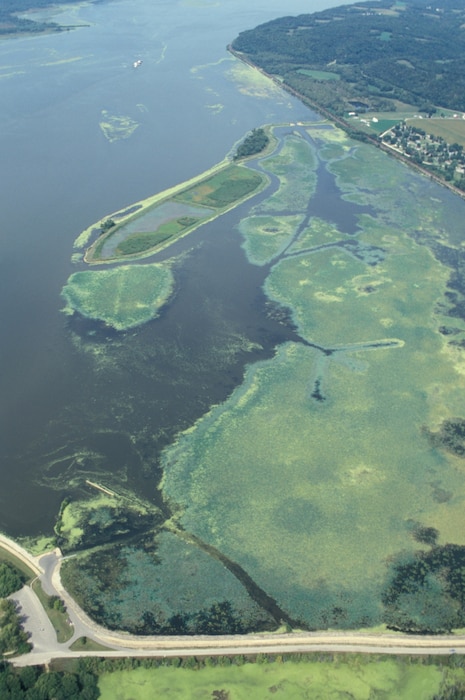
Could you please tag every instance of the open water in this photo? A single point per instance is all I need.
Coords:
(77, 402)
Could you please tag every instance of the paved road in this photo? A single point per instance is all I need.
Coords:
(46, 647)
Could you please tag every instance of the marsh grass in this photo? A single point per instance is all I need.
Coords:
(311, 474)
(159, 585)
(295, 165)
(123, 297)
(59, 619)
(265, 237)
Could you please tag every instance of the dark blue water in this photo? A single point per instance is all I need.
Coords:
(76, 400)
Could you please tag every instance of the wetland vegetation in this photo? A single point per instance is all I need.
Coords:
(123, 297)
(12, 22)
(344, 507)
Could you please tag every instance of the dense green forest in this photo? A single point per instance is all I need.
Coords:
(254, 143)
(11, 24)
(373, 54)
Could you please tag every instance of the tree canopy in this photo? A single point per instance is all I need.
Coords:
(380, 51)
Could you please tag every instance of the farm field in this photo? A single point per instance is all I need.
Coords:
(148, 226)
(450, 129)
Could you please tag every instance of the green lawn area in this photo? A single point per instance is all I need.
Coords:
(86, 644)
(319, 74)
(223, 189)
(60, 620)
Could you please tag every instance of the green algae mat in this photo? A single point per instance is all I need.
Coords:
(123, 297)
(344, 677)
(317, 472)
(330, 485)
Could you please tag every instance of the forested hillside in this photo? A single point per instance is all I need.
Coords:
(376, 52)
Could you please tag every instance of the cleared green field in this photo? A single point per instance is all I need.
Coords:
(346, 677)
(319, 74)
(452, 130)
(123, 297)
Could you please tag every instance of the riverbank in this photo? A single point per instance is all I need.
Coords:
(349, 127)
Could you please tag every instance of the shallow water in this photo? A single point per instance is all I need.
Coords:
(78, 400)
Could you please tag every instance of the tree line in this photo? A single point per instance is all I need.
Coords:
(416, 54)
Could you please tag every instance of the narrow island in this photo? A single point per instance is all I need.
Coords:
(158, 221)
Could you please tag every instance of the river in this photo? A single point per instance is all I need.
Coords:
(77, 402)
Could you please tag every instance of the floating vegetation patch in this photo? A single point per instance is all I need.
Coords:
(324, 464)
(162, 585)
(311, 499)
(216, 108)
(295, 166)
(328, 292)
(116, 127)
(318, 232)
(311, 474)
(250, 81)
(123, 297)
(267, 236)
(104, 518)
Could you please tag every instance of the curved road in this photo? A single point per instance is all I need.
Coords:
(45, 646)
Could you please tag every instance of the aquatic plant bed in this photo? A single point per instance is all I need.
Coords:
(123, 297)
(328, 488)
